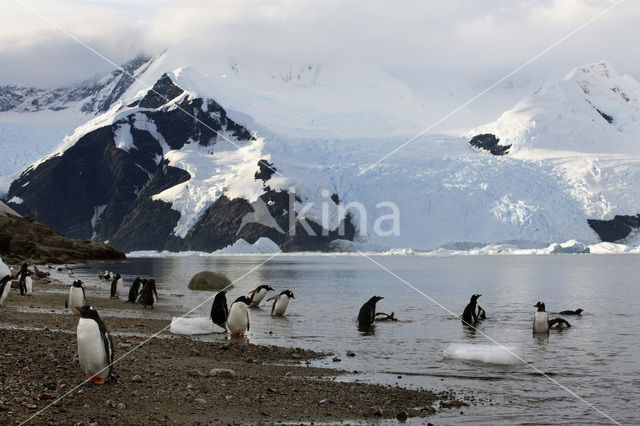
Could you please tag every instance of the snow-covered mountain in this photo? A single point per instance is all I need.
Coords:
(147, 175)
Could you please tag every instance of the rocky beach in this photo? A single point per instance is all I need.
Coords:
(163, 378)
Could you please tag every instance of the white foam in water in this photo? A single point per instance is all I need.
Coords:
(191, 326)
(489, 354)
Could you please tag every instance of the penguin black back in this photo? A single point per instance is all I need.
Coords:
(470, 315)
(367, 314)
(134, 290)
(114, 286)
(149, 295)
(576, 312)
(219, 309)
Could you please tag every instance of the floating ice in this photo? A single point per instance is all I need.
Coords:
(488, 354)
(4, 269)
(190, 326)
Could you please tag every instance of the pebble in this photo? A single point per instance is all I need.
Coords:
(336, 359)
(200, 400)
(196, 373)
(222, 372)
(349, 353)
(402, 416)
(229, 397)
(137, 378)
(376, 410)
(111, 404)
(194, 352)
(121, 406)
(44, 396)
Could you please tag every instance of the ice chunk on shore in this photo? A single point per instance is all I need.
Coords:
(488, 354)
(4, 269)
(191, 326)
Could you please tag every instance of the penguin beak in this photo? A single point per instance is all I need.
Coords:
(78, 308)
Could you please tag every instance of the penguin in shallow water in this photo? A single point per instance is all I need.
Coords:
(5, 288)
(473, 312)
(116, 287)
(219, 309)
(148, 296)
(238, 319)
(258, 294)
(134, 290)
(280, 303)
(367, 313)
(542, 323)
(95, 346)
(576, 312)
(77, 297)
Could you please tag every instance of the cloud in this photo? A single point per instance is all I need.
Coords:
(418, 40)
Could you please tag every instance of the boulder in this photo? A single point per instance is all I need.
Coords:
(208, 281)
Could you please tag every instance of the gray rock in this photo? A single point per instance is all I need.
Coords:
(137, 379)
(222, 372)
(200, 400)
(208, 281)
(402, 416)
(121, 406)
(376, 410)
(111, 404)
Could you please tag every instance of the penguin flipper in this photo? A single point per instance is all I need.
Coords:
(559, 323)
(66, 304)
(273, 298)
(273, 307)
(248, 323)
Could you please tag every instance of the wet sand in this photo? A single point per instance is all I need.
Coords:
(169, 379)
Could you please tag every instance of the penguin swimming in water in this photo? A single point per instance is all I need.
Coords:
(219, 309)
(95, 346)
(5, 288)
(280, 303)
(134, 290)
(381, 316)
(576, 312)
(542, 323)
(238, 319)
(116, 287)
(77, 297)
(148, 296)
(258, 294)
(473, 312)
(367, 314)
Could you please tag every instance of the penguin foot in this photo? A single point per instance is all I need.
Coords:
(96, 380)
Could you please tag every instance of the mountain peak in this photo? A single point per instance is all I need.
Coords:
(163, 91)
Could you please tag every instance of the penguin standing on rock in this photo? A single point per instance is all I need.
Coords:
(116, 287)
(280, 303)
(5, 287)
(95, 346)
(134, 290)
(542, 323)
(258, 294)
(367, 314)
(473, 312)
(77, 297)
(148, 296)
(219, 309)
(238, 319)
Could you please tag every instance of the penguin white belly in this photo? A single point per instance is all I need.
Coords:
(5, 292)
(280, 306)
(541, 322)
(258, 297)
(76, 299)
(118, 288)
(91, 352)
(28, 283)
(238, 319)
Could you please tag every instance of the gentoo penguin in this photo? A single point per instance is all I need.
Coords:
(381, 316)
(148, 296)
(134, 290)
(367, 314)
(280, 303)
(541, 322)
(95, 347)
(219, 309)
(5, 288)
(472, 312)
(576, 312)
(28, 283)
(22, 274)
(116, 287)
(76, 298)
(258, 294)
(238, 319)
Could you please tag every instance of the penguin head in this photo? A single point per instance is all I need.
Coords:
(88, 312)
(288, 293)
(243, 299)
(579, 311)
(375, 299)
(77, 283)
(118, 276)
(475, 297)
(269, 288)
(540, 307)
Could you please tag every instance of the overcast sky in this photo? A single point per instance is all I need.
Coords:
(468, 40)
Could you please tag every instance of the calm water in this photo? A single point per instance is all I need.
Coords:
(596, 358)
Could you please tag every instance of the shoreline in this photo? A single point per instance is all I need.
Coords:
(267, 384)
